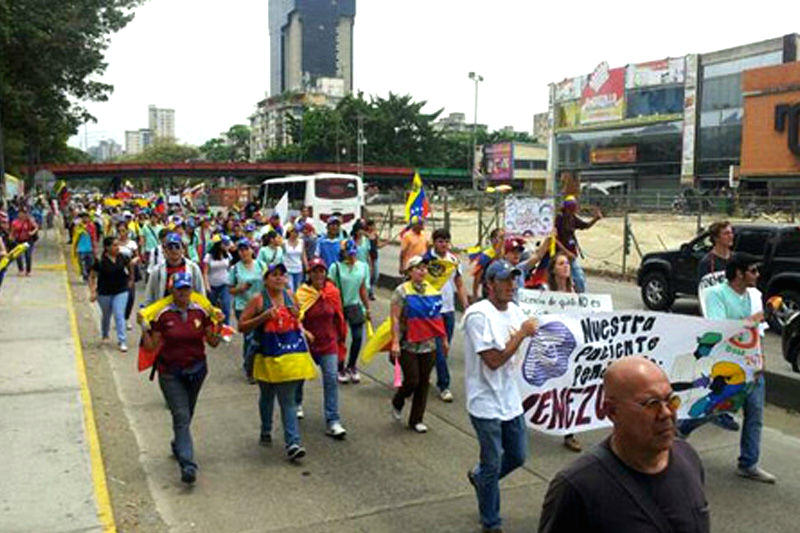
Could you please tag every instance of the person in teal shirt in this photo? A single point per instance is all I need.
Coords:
(150, 230)
(246, 279)
(731, 300)
(351, 276)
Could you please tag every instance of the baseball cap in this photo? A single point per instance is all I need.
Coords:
(174, 238)
(350, 247)
(570, 200)
(333, 220)
(416, 219)
(501, 269)
(181, 280)
(317, 262)
(414, 261)
(514, 243)
(250, 228)
(244, 242)
(273, 267)
(127, 214)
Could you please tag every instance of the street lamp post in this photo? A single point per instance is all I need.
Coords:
(477, 78)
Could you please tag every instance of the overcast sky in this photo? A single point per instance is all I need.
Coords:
(209, 59)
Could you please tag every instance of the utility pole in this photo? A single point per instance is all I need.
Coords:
(360, 142)
(477, 78)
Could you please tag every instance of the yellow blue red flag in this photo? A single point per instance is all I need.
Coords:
(417, 203)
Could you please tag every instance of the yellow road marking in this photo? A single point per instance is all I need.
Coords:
(104, 511)
(55, 266)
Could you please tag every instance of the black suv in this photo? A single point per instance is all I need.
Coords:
(663, 276)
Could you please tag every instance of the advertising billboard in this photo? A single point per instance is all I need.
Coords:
(603, 98)
(661, 72)
(499, 161)
(616, 154)
(570, 89)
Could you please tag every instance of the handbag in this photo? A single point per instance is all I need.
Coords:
(352, 313)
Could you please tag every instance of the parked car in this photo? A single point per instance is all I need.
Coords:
(665, 276)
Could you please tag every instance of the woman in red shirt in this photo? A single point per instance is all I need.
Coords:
(181, 330)
(323, 320)
(24, 229)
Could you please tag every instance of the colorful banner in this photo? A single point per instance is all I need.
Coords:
(603, 97)
(535, 303)
(534, 214)
(661, 72)
(500, 161)
(613, 155)
(710, 363)
(569, 89)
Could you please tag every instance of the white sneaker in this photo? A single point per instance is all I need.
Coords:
(300, 413)
(129, 326)
(343, 377)
(397, 415)
(123, 347)
(420, 428)
(446, 396)
(756, 474)
(336, 431)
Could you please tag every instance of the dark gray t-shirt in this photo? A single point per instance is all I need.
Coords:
(585, 497)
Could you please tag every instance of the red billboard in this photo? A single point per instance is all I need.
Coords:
(603, 97)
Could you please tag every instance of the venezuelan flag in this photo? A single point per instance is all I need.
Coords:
(282, 354)
(482, 259)
(417, 203)
(439, 270)
(539, 275)
(161, 203)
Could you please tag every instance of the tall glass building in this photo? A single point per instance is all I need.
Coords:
(310, 39)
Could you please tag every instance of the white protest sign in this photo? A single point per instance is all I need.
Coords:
(282, 208)
(534, 214)
(534, 303)
(710, 364)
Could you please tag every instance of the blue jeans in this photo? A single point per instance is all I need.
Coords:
(180, 392)
(85, 259)
(221, 297)
(295, 279)
(286, 399)
(504, 446)
(356, 338)
(113, 304)
(247, 338)
(442, 372)
(753, 414)
(330, 387)
(27, 257)
(578, 275)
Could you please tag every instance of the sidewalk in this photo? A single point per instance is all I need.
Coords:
(53, 478)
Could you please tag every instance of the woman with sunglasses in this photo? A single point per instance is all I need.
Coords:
(282, 360)
(245, 280)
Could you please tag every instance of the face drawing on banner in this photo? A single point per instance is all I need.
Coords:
(706, 343)
(727, 389)
(547, 354)
(546, 212)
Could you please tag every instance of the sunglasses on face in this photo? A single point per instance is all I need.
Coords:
(174, 246)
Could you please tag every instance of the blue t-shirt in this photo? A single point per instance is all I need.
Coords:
(84, 244)
(239, 274)
(328, 249)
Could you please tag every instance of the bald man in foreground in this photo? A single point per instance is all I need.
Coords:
(640, 479)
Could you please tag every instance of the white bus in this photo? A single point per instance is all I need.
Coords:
(324, 193)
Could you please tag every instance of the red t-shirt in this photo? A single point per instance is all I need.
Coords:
(21, 230)
(183, 342)
(319, 320)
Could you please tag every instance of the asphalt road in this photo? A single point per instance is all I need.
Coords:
(383, 477)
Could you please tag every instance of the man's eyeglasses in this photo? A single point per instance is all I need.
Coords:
(174, 246)
(653, 405)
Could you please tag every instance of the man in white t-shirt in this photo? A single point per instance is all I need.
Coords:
(495, 328)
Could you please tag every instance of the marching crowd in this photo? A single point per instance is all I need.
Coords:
(296, 297)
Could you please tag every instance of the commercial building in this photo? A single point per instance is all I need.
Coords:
(270, 125)
(310, 39)
(519, 163)
(455, 123)
(771, 128)
(659, 125)
(161, 122)
(137, 140)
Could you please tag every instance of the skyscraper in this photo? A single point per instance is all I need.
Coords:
(161, 122)
(310, 39)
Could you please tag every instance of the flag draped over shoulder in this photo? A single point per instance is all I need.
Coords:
(307, 296)
(417, 203)
(440, 269)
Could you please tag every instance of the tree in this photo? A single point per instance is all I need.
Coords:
(164, 151)
(50, 53)
(233, 145)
